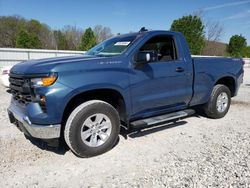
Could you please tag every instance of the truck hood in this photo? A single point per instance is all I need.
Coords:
(54, 64)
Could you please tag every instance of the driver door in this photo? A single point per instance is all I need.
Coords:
(161, 85)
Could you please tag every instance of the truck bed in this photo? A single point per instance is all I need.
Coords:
(208, 70)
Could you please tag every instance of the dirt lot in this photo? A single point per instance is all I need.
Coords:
(195, 152)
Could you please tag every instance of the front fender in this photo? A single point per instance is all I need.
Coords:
(87, 88)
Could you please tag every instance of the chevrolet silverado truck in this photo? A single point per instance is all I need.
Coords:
(133, 80)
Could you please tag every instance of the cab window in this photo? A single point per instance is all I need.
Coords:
(163, 46)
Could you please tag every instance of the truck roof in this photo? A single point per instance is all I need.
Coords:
(148, 32)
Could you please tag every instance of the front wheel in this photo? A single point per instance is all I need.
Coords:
(92, 128)
(219, 102)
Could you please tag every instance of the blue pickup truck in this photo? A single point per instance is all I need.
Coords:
(133, 80)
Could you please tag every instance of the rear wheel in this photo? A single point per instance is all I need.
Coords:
(219, 102)
(92, 128)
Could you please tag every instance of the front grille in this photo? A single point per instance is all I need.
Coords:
(20, 89)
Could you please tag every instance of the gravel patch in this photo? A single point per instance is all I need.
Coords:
(194, 152)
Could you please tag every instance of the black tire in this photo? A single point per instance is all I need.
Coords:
(210, 108)
(74, 125)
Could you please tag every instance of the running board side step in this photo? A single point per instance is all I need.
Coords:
(161, 119)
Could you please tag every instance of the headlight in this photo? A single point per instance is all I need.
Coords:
(44, 81)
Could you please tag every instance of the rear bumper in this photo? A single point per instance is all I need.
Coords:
(21, 120)
(239, 81)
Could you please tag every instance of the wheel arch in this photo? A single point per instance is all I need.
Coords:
(109, 95)
(228, 81)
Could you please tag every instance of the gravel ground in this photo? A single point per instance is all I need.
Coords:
(195, 152)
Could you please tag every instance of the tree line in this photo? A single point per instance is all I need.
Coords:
(17, 32)
(202, 36)
(199, 34)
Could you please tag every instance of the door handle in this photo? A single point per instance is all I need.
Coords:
(179, 69)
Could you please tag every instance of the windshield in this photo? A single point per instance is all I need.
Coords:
(112, 47)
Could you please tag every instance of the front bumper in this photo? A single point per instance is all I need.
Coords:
(21, 120)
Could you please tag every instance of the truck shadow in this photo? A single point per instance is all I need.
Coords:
(52, 146)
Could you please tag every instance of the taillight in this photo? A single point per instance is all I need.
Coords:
(5, 72)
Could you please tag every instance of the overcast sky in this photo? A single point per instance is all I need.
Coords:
(129, 15)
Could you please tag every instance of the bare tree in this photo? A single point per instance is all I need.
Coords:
(73, 36)
(214, 30)
(47, 37)
(102, 33)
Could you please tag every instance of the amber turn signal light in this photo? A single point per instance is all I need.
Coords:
(47, 81)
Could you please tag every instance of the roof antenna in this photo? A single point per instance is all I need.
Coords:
(143, 29)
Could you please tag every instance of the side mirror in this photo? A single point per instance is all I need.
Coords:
(145, 57)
